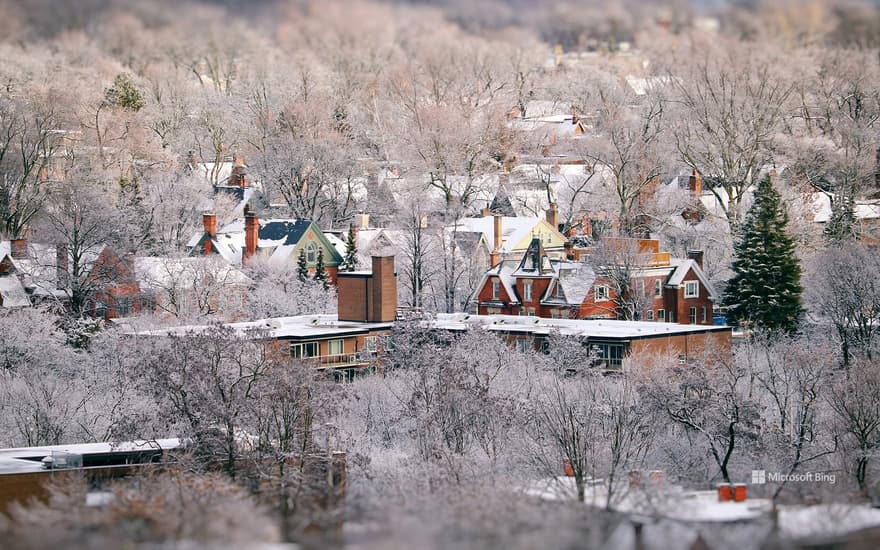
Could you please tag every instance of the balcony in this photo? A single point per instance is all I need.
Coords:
(343, 360)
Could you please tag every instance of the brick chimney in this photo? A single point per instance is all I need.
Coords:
(209, 221)
(62, 276)
(384, 291)
(695, 184)
(251, 234)
(498, 240)
(696, 256)
(494, 258)
(368, 297)
(553, 216)
(18, 248)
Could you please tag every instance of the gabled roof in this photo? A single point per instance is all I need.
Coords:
(504, 271)
(681, 269)
(12, 293)
(513, 230)
(534, 262)
(277, 237)
(38, 269)
(575, 279)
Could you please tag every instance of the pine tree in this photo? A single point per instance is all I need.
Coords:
(350, 260)
(766, 286)
(320, 272)
(842, 224)
(124, 94)
(302, 268)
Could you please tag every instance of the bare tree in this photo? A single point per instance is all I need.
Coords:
(855, 400)
(730, 103)
(844, 288)
(29, 142)
(710, 400)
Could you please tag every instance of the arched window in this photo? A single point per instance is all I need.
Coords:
(311, 253)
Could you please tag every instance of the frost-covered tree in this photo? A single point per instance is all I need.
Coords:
(321, 276)
(350, 259)
(766, 287)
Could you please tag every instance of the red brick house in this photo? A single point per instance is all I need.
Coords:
(663, 289)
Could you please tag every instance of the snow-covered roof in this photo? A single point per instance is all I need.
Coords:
(643, 85)
(38, 269)
(160, 272)
(276, 238)
(682, 268)
(587, 328)
(12, 293)
(28, 459)
(299, 327)
(514, 230)
(820, 205)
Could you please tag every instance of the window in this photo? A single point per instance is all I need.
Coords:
(100, 309)
(682, 359)
(334, 347)
(703, 315)
(311, 253)
(558, 292)
(523, 345)
(522, 311)
(661, 315)
(531, 312)
(496, 289)
(691, 289)
(304, 350)
(640, 287)
(527, 291)
(122, 306)
(658, 288)
(649, 315)
(554, 314)
(609, 356)
(600, 293)
(371, 343)
(692, 316)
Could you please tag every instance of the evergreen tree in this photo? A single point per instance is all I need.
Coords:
(842, 224)
(350, 260)
(766, 286)
(302, 268)
(320, 272)
(124, 94)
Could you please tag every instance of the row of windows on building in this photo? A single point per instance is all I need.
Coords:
(305, 350)
(602, 293)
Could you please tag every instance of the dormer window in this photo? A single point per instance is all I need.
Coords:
(496, 289)
(311, 253)
(527, 291)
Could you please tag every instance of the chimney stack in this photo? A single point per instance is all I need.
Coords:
(18, 248)
(384, 290)
(696, 256)
(485, 212)
(362, 220)
(553, 216)
(497, 232)
(251, 234)
(62, 277)
(209, 221)
(695, 184)
(494, 258)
